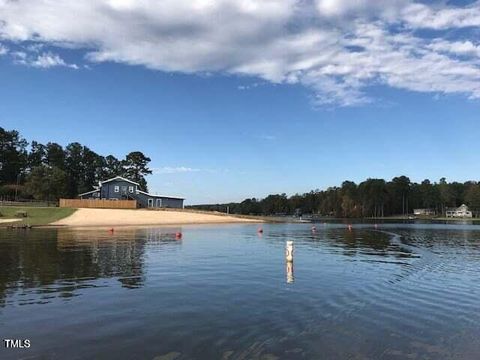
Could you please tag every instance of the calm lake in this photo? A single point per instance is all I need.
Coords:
(225, 292)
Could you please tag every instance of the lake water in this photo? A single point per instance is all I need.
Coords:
(225, 292)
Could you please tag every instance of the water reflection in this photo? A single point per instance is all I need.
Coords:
(289, 272)
(360, 244)
(371, 293)
(61, 262)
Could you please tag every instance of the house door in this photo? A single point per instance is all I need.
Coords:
(150, 203)
(159, 203)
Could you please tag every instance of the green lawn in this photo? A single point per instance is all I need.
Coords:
(35, 215)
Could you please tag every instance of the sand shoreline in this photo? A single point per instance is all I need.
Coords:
(8, 221)
(121, 217)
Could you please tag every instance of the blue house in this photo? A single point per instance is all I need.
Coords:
(119, 188)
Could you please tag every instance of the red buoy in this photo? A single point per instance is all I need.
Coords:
(111, 230)
(260, 230)
(178, 235)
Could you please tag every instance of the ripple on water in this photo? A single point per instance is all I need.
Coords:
(222, 292)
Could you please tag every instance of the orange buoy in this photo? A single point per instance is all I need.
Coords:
(111, 230)
(178, 235)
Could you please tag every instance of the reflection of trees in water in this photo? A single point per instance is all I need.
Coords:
(368, 242)
(449, 242)
(349, 243)
(63, 261)
(103, 255)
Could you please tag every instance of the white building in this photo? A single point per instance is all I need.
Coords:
(460, 212)
(424, 212)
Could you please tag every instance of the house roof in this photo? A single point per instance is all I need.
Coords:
(119, 178)
(162, 196)
(89, 192)
(132, 182)
(460, 208)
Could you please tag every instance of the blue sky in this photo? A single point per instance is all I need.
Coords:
(228, 123)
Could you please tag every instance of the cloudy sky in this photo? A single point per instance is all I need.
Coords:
(236, 98)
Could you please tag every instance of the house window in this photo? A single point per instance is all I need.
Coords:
(124, 189)
(116, 188)
(130, 189)
(150, 203)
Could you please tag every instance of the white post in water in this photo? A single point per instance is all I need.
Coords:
(289, 251)
(289, 271)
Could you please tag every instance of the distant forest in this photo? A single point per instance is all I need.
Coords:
(31, 170)
(50, 171)
(370, 198)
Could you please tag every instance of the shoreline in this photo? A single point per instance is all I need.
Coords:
(135, 217)
(391, 218)
(9, 221)
(428, 219)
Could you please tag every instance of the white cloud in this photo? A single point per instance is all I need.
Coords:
(464, 48)
(337, 48)
(369, 8)
(44, 60)
(3, 50)
(174, 170)
(424, 16)
(250, 86)
(48, 60)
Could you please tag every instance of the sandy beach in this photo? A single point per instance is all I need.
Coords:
(120, 217)
(5, 221)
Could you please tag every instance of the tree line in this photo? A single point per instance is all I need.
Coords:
(370, 198)
(51, 171)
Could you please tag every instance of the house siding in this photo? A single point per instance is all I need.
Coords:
(143, 200)
(172, 203)
(107, 191)
(165, 202)
(460, 212)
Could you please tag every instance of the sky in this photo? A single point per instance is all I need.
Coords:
(242, 98)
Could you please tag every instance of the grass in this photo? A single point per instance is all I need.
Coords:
(35, 215)
(29, 203)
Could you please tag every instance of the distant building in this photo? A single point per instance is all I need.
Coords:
(460, 212)
(424, 212)
(119, 188)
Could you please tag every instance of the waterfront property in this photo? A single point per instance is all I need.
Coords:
(424, 212)
(460, 212)
(119, 188)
